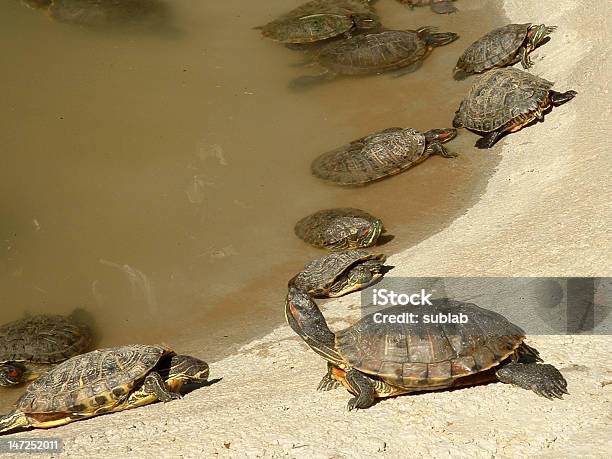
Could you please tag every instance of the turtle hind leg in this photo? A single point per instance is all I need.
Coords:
(544, 379)
(488, 140)
(559, 98)
(363, 388)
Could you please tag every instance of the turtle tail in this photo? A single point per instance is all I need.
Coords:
(12, 421)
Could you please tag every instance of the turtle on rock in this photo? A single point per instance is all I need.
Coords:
(502, 47)
(104, 381)
(506, 100)
(383, 355)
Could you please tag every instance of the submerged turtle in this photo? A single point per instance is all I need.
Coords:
(340, 273)
(437, 6)
(380, 155)
(377, 52)
(320, 20)
(339, 229)
(383, 355)
(28, 344)
(506, 100)
(504, 46)
(104, 381)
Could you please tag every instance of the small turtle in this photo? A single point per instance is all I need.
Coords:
(339, 229)
(340, 273)
(380, 155)
(320, 20)
(28, 345)
(104, 381)
(384, 354)
(374, 53)
(501, 47)
(437, 6)
(506, 100)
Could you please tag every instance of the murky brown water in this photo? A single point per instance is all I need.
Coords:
(154, 178)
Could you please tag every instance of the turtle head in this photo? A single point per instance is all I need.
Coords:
(305, 318)
(37, 4)
(187, 369)
(12, 374)
(428, 35)
(537, 35)
(440, 135)
(365, 22)
(366, 233)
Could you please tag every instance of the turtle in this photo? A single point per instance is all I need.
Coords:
(392, 352)
(339, 229)
(380, 155)
(104, 381)
(437, 6)
(339, 273)
(506, 100)
(375, 53)
(30, 344)
(321, 20)
(502, 47)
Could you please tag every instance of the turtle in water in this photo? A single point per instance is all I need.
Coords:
(501, 47)
(339, 273)
(320, 20)
(29, 345)
(380, 155)
(339, 229)
(104, 381)
(437, 6)
(377, 52)
(506, 100)
(387, 354)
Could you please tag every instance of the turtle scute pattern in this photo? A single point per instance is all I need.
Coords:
(42, 339)
(372, 157)
(500, 96)
(430, 355)
(79, 384)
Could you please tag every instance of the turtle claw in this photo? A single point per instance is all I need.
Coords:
(543, 379)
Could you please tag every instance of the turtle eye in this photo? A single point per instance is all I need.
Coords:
(13, 373)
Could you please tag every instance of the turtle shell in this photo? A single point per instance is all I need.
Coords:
(91, 381)
(373, 52)
(359, 8)
(105, 12)
(495, 49)
(372, 157)
(307, 29)
(424, 356)
(501, 96)
(324, 276)
(342, 228)
(42, 339)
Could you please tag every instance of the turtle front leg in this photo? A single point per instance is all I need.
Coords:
(488, 140)
(543, 379)
(436, 148)
(526, 61)
(154, 384)
(328, 382)
(559, 98)
(363, 388)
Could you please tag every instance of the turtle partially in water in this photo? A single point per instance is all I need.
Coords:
(506, 100)
(31, 344)
(104, 381)
(380, 155)
(384, 354)
(339, 229)
(320, 20)
(502, 47)
(437, 6)
(374, 53)
(340, 273)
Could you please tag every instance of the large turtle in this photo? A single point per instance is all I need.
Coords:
(396, 351)
(437, 6)
(320, 20)
(104, 381)
(506, 100)
(28, 345)
(339, 229)
(376, 52)
(340, 273)
(380, 155)
(504, 46)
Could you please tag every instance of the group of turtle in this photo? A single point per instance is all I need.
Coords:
(68, 383)
(372, 359)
